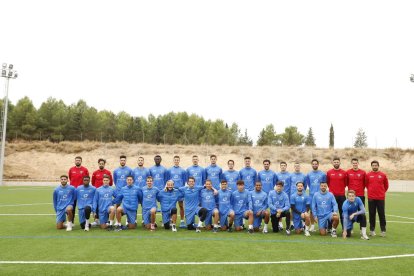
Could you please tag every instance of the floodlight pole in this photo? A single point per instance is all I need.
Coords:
(7, 73)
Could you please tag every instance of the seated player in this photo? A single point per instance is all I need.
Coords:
(191, 194)
(226, 214)
(168, 198)
(258, 204)
(63, 198)
(130, 195)
(353, 210)
(149, 204)
(84, 195)
(300, 205)
(325, 210)
(240, 205)
(103, 201)
(208, 201)
(279, 206)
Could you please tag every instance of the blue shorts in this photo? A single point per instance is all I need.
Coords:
(257, 220)
(166, 217)
(238, 219)
(104, 215)
(61, 216)
(297, 221)
(131, 215)
(209, 218)
(81, 213)
(146, 216)
(190, 215)
(224, 218)
(323, 221)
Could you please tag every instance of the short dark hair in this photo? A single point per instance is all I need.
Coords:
(315, 160)
(208, 180)
(149, 177)
(336, 158)
(86, 177)
(230, 161)
(176, 156)
(283, 162)
(122, 156)
(280, 183)
(323, 182)
(157, 156)
(240, 182)
(64, 175)
(213, 155)
(191, 177)
(354, 159)
(101, 159)
(266, 160)
(300, 182)
(247, 158)
(78, 157)
(106, 176)
(223, 181)
(351, 192)
(195, 156)
(374, 162)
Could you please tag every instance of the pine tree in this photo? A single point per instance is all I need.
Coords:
(331, 137)
(360, 139)
(310, 140)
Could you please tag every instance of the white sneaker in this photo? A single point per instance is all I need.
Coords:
(94, 224)
(372, 233)
(382, 234)
(173, 228)
(333, 234)
(86, 226)
(364, 237)
(198, 230)
(69, 226)
(265, 231)
(307, 234)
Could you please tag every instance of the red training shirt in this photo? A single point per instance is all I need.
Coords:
(76, 175)
(356, 181)
(337, 181)
(97, 177)
(377, 185)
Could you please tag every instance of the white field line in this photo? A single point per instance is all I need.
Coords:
(398, 216)
(211, 263)
(24, 204)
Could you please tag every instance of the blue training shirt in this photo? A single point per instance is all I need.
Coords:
(295, 178)
(240, 202)
(120, 176)
(103, 199)
(149, 198)
(349, 208)
(231, 176)
(191, 198)
(258, 201)
(168, 199)
(214, 172)
(159, 176)
(323, 204)
(301, 202)
(249, 176)
(198, 173)
(268, 178)
(208, 200)
(140, 176)
(63, 197)
(313, 181)
(178, 175)
(223, 200)
(130, 196)
(278, 200)
(84, 196)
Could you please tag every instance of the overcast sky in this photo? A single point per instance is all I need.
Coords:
(301, 63)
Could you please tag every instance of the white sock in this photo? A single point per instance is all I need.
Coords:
(280, 224)
(182, 221)
(111, 222)
(306, 228)
(364, 231)
(291, 223)
(200, 223)
(265, 227)
(215, 225)
(312, 227)
(250, 226)
(333, 229)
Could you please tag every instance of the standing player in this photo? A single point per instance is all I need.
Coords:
(121, 174)
(337, 181)
(84, 196)
(103, 204)
(248, 174)
(279, 206)
(353, 210)
(196, 172)
(377, 186)
(214, 172)
(267, 177)
(76, 175)
(240, 205)
(208, 202)
(149, 204)
(356, 180)
(97, 176)
(129, 196)
(258, 205)
(313, 180)
(325, 210)
(226, 214)
(63, 197)
(295, 177)
(159, 173)
(179, 176)
(140, 174)
(231, 176)
(283, 176)
(300, 204)
(168, 198)
(191, 194)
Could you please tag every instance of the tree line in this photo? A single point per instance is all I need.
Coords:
(55, 121)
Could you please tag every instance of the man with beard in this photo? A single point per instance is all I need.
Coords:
(168, 198)
(84, 196)
(313, 180)
(325, 210)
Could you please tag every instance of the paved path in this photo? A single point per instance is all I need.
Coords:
(395, 185)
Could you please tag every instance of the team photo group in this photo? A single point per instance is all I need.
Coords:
(213, 199)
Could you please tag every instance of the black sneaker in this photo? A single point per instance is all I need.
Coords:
(250, 231)
(215, 230)
(292, 228)
(110, 228)
(230, 229)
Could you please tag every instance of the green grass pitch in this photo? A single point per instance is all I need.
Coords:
(34, 238)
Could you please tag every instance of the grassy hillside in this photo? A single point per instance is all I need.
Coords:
(46, 160)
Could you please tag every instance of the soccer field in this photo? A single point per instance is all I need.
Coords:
(28, 235)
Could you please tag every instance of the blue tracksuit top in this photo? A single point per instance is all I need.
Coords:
(159, 176)
(277, 201)
(149, 197)
(313, 181)
(295, 178)
(120, 176)
(268, 179)
(208, 200)
(103, 198)
(214, 174)
(63, 197)
(258, 201)
(168, 199)
(240, 202)
(199, 175)
(300, 201)
(130, 196)
(249, 176)
(349, 208)
(324, 204)
(191, 197)
(178, 175)
(140, 176)
(84, 196)
(223, 200)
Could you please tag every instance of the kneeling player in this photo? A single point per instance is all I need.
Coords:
(103, 201)
(240, 205)
(84, 197)
(168, 199)
(325, 210)
(226, 215)
(353, 211)
(129, 195)
(208, 201)
(300, 204)
(258, 204)
(63, 198)
(278, 202)
(149, 204)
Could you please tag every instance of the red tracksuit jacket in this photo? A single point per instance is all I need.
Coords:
(76, 175)
(356, 181)
(377, 185)
(337, 181)
(97, 177)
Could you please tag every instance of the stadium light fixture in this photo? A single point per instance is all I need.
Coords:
(7, 73)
